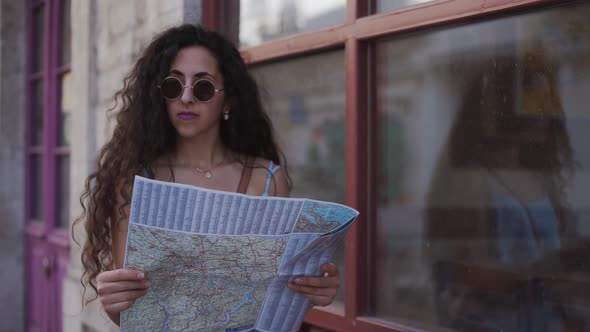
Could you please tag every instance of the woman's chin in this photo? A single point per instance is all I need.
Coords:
(192, 130)
(187, 135)
(190, 133)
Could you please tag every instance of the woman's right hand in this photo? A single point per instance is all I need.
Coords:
(118, 290)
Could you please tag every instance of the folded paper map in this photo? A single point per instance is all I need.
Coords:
(220, 261)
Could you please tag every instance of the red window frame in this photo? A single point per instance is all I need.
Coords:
(356, 35)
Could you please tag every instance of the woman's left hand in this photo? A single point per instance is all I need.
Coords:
(319, 290)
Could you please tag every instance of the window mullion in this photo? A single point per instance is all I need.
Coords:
(356, 185)
(356, 9)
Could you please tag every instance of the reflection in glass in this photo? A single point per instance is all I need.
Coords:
(383, 6)
(39, 38)
(38, 111)
(63, 176)
(511, 142)
(66, 33)
(37, 180)
(483, 175)
(305, 100)
(65, 110)
(262, 20)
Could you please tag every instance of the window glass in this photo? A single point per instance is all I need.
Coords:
(38, 110)
(483, 175)
(383, 6)
(258, 21)
(63, 197)
(65, 110)
(37, 176)
(305, 100)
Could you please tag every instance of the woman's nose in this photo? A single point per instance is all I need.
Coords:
(187, 94)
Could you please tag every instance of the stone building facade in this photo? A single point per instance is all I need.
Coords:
(367, 97)
(106, 39)
(12, 122)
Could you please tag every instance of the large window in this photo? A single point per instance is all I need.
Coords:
(458, 128)
(482, 169)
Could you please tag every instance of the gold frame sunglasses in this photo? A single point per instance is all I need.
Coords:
(203, 89)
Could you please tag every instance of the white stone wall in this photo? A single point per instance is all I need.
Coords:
(12, 125)
(107, 37)
(124, 28)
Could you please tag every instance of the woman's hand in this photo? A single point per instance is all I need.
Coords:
(118, 290)
(319, 290)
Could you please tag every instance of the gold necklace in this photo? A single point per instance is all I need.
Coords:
(206, 172)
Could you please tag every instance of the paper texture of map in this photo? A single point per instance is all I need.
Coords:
(220, 261)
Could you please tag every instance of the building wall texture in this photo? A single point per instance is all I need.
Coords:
(12, 122)
(107, 37)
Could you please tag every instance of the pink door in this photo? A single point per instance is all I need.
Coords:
(46, 268)
(47, 162)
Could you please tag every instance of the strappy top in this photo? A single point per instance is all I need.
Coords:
(272, 169)
(244, 178)
(247, 172)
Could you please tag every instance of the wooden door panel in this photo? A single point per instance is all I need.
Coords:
(62, 259)
(37, 284)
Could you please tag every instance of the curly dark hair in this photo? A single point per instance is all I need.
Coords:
(143, 134)
(491, 101)
(493, 92)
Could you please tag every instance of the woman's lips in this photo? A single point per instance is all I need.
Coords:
(186, 115)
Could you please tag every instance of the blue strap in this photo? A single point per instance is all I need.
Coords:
(272, 169)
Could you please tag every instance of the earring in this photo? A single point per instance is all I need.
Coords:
(226, 115)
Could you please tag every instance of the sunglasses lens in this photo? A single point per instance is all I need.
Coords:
(203, 90)
(171, 88)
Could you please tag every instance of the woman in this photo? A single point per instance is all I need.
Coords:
(499, 217)
(191, 113)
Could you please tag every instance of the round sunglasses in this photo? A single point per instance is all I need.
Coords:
(203, 89)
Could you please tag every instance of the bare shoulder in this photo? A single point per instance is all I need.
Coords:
(265, 173)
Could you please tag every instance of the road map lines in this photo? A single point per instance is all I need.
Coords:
(222, 280)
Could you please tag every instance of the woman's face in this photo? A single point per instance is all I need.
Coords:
(187, 114)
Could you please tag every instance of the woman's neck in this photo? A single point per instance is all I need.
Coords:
(205, 152)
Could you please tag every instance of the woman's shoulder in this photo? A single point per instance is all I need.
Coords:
(268, 178)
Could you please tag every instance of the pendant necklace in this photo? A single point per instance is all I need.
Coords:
(205, 172)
